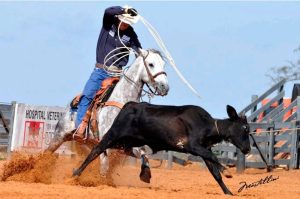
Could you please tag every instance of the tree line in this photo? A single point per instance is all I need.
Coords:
(289, 71)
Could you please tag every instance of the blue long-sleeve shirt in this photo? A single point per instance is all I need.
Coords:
(108, 39)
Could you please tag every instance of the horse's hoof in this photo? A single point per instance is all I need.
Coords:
(227, 174)
(145, 174)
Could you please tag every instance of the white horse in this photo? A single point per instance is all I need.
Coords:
(147, 68)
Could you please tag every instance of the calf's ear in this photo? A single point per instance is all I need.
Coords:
(232, 112)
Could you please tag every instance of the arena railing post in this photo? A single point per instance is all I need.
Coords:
(170, 159)
(11, 127)
(271, 147)
(294, 160)
(241, 158)
(241, 161)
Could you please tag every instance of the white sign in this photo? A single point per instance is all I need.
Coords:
(34, 126)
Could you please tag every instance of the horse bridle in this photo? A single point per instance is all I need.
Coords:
(151, 77)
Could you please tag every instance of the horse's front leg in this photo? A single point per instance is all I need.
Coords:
(104, 164)
(63, 131)
(58, 140)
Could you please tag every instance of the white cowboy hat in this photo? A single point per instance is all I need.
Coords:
(127, 18)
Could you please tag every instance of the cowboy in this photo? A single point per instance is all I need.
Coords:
(115, 33)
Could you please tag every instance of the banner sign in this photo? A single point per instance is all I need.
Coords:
(34, 126)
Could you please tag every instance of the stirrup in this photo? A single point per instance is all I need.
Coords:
(76, 133)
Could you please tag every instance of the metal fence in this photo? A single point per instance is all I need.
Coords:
(6, 121)
(277, 136)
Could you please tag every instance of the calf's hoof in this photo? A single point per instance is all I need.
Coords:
(145, 174)
(228, 193)
(226, 173)
(269, 168)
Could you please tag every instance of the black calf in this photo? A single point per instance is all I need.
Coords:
(186, 129)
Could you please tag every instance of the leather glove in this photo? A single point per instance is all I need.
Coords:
(132, 12)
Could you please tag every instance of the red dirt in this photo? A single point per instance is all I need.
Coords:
(49, 176)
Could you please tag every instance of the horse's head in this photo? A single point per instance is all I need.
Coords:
(154, 73)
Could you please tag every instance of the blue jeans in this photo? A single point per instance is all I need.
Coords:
(91, 87)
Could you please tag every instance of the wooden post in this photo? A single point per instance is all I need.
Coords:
(297, 155)
(5, 126)
(225, 154)
(294, 148)
(170, 159)
(241, 161)
(298, 135)
(294, 161)
(279, 90)
(11, 126)
(271, 147)
(253, 98)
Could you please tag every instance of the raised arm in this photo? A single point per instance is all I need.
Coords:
(110, 15)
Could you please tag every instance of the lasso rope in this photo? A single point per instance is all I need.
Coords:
(161, 44)
(129, 51)
(111, 72)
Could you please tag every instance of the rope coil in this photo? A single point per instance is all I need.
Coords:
(162, 46)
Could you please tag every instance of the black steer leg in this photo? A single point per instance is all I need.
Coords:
(223, 169)
(215, 172)
(205, 153)
(104, 144)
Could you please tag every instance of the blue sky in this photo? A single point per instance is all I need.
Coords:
(47, 49)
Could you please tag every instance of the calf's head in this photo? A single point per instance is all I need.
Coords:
(238, 130)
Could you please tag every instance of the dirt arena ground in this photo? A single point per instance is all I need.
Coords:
(49, 176)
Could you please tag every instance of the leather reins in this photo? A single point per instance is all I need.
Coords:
(151, 77)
